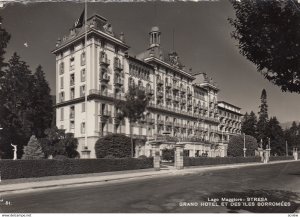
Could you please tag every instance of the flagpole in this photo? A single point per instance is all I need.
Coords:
(86, 76)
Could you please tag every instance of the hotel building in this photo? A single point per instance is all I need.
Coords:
(184, 104)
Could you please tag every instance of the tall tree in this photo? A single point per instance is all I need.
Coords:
(42, 103)
(57, 142)
(268, 33)
(4, 39)
(16, 110)
(263, 118)
(133, 107)
(249, 124)
(276, 135)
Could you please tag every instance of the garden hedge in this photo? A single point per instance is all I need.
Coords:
(274, 158)
(198, 161)
(13, 169)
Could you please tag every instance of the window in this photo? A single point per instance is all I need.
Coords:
(72, 93)
(82, 128)
(72, 112)
(61, 68)
(72, 63)
(82, 91)
(82, 75)
(82, 59)
(72, 124)
(62, 83)
(62, 114)
(61, 96)
(72, 80)
(82, 107)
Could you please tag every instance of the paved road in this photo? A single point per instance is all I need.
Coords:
(276, 183)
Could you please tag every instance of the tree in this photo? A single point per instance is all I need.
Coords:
(16, 105)
(132, 108)
(276, 135)
(263, 118)
(249, 124)
(236, 146)
(4, 39)
(42, 103)
(33, 150)
(168, 154)
(57, 142)
(268, 33)
(115, 145)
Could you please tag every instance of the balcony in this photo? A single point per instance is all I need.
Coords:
(160, 122)
(189, 93)
(105, 77)
(168, 95)
(104, 60)
(176, 98)
(176, 86)
(72, 115)
(105, 112)
(168, 84)
(149, 120)
(169, 123)
(117, 64)
(183, 89)
(176, 124)
(160, 93)
(183, 101)
(159, 81)
(118, 81)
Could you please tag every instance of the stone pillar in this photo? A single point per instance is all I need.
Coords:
(261, 154)
(267, 155)
(295, 153)
(156, 156)
(179, 156)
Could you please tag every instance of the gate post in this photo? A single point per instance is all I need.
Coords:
(179, 156)
(295, 153)
(156, 157)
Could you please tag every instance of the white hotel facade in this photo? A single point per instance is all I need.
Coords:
(183, 104)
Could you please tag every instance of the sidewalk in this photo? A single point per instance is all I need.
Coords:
(55, 182)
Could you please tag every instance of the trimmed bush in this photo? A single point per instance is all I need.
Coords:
(199, 161)
(13, 169)
(236, 146)
(33, 150)
(116, 145)
(275, 158)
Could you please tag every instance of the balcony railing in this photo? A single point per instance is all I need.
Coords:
(160, 81)
(176, 86)
(168, 84)
(104, 60)
(160, 93)
(72, 115)
(161, 122)
(105, 112)
(104, 77)
(118, 81)
(150, 91)
(117, 64)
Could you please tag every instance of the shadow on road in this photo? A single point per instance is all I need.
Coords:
(270, 201)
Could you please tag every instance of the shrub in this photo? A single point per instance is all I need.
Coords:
(12, 169)
(198, 161)
(236, 146)
(33, 150)
(168, 154)
(275, 158)
(60, 157)
(116, 145)
(142, 157)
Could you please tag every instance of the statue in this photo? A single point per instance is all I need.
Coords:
(15, 151)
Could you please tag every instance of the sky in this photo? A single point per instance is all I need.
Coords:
(201, 38)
